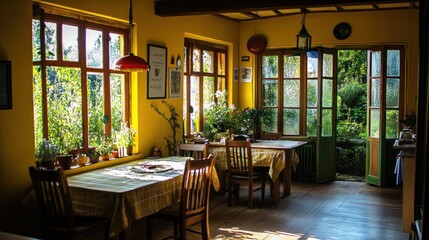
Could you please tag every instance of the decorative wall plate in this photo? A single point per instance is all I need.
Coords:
(342, 31)
(256, 44)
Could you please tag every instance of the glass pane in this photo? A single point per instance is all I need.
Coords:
(392, 93)
(312, 122)
(312, 64)
(70, 43)
(38, 105)
(312, 93)
(194, 101)
(185, 103)
(290, 121)
(374, 122)
(51, 40)
(208, 93)
(94, 48)
(270, 66)
(327, 93)
(326, 122)
(292, 66)
(117, 100)
(272, 125)
(95, 108)
(328, 65)
(64, 107)
(36, 42)
(375, 64)
(392, 123)
(185, 60)
(291, 93)
(116, 48)
(269, 93)
(221, 64)
(208, 61)
(196, 56)
(393, 62)
(221, 84)
(375, 92)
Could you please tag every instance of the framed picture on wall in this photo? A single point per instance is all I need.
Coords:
(175, 82)
(5, 85)
(157, 75)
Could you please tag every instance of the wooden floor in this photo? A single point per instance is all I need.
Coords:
(336, 210)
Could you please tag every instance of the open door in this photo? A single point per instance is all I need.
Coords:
(385, 75)
(324, 109)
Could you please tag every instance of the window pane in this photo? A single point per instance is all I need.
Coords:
(70, 43)
(392, 123)
(116, 48)
(184, 61)
(312, 64)
(36, 42)
(270, 66)
(195, 100)
(292, 66)
(312, 93)
(51, 40)
(328, 65)
(375, 92)
(291, 93)
(291, 121)
(221, 84)
(95, 92)
(209, 91)
(208, 61)
(392, 93)
(375, 64)
(374, 123)
(37, 101)
(271, 126)
(64, 107)
(312, 122)
(326, 122)
(196, 56)
(393, 62)
(94, 48)
(269, 93)
(117, 100)
(221, 64)
(327, 93)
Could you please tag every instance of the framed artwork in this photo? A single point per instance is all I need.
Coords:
(5, 85)
(236, 74)
(246, 74)
(175, 82)
(157, 75)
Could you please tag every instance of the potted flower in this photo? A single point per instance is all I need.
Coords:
(46, 152)
(125, 138)
(93, 155)
(64, 158)
(219, 117)
(105, 148)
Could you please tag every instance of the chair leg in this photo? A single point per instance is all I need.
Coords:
(182, 233)
(205, 228)
(229, 193)
(263, 187)
(149, 228)
(250, 195)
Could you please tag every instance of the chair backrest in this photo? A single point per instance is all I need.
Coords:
(53, 198)
(271, 136)
(193, 150)
(239, 157)
(196, 186)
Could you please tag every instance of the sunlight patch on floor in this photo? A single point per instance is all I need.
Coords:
(237, 233)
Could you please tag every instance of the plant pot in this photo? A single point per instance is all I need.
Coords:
(114, 154)
(45, 164)
(93, 159)
(104, 157)
(64, 161)
(129, 150)
(82, 160)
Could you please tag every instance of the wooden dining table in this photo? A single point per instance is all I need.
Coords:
(275, 154)
(125, 193)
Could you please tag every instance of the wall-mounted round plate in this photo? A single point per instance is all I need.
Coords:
(342, 31)
(256, 44)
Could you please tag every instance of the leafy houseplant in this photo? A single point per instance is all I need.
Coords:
(93, 155)
(174, 125)
(125, 138)
(219, 117)
(105, 148)
(46, 153)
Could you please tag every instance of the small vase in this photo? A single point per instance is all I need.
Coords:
(129, 150)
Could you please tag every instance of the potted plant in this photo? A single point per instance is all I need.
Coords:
(46, 152)
(125, 138)
(64, 158)
(105, 148)
(93, 155)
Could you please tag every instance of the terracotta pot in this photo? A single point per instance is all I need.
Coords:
(114, 154)
(64, 161)
(129, 150)
(93, 159)
(82, 160)
(104, 157)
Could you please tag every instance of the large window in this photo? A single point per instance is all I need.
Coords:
(205, 72)
(78, 96)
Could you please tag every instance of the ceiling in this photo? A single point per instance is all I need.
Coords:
(245, 10)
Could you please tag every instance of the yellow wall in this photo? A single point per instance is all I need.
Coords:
(16, 125)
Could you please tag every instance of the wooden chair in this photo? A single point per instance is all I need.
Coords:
(193, 150)
(194, 202)
(241, 171)
(271, 136)
(56, 211)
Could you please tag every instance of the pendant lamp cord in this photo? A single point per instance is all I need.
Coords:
(303, 16)
(130, 17)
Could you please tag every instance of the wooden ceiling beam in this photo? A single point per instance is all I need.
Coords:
(197, 7)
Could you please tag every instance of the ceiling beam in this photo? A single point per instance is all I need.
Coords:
(198, 7)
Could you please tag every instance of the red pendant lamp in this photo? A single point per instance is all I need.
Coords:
(131, 62)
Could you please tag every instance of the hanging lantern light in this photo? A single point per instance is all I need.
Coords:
(303, 39)
(131, 62)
